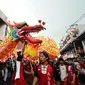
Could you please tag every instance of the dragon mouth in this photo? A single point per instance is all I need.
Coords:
(27, 33)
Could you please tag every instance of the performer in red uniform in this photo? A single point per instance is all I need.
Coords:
(44, 72)
(71, 73)
(18, 76)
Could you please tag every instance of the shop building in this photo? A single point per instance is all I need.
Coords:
(3, 25)
(74, 43)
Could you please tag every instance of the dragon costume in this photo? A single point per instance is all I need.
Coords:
(19, 32)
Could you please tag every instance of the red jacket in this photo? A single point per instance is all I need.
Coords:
(19, 81)
(45, 78)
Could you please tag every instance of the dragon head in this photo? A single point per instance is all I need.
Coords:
(26, 30)
(22, 31)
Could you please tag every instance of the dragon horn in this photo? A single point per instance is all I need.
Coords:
(14, 22)
(9, 24)
(39, 21)
(17, 24)
(43, 23)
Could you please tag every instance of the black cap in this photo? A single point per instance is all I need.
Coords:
(20, 56)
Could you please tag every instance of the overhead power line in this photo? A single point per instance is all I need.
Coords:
(78, 19)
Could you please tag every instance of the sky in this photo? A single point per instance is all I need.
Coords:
(58, 14)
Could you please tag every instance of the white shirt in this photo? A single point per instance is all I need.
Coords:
(63, 72)
(18, 70)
